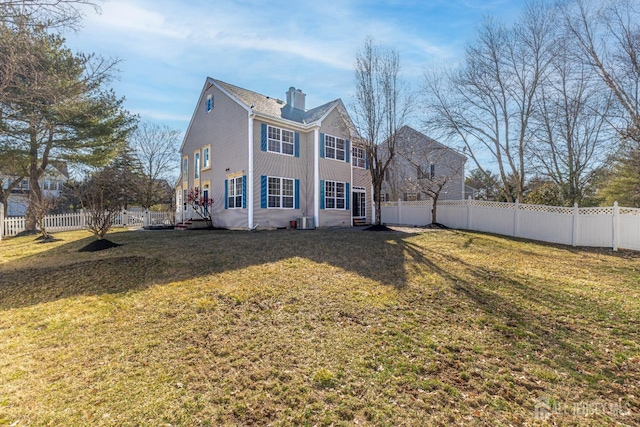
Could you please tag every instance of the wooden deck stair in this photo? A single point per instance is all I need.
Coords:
(357, 222)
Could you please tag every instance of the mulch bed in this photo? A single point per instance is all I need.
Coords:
(99, 245)
(378, 227)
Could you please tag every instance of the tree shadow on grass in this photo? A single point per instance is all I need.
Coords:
(161, 257)
(549, 331)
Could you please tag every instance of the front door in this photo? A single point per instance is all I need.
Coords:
(359, 203)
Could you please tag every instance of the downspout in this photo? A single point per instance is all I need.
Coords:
(250, 174)
(316, 177)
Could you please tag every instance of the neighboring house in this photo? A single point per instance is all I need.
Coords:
(470, 191)
(421, 162)
(266, 162)
(51, 184)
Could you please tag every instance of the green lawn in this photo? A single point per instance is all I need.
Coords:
(325, 327)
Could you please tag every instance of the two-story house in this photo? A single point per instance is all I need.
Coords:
(422, 165)
(267, 161)
(51, 183)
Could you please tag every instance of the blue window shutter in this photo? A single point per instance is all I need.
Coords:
(296, 147)
(321, 194)
(244, 191)
(347, 150)
(226, 194)
(263, 137)
(296, 194)
(322, 145)
(263, 192)
(347, 195)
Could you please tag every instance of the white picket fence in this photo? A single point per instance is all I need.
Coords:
(614, 227)
(11, 226)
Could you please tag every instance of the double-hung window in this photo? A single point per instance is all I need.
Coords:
(185, 169)
(281, 192)
(334, 195)
(235, 193)
(209, 102)
(359, 158)
(280, 141)
(334, 148)
(206, 162)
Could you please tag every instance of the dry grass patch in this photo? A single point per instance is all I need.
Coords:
(315, 328)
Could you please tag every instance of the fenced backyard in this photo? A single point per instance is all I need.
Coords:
(11, 226)
(613, 227)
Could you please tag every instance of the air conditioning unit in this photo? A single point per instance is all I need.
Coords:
(306, 223)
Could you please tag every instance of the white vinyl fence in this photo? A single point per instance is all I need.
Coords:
(11, 226)
(614, 227)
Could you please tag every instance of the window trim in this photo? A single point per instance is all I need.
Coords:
(281, 196)
(209, 105)
(335, 198)
(281, 141)
(185, 170)
(206, 149)
(196, 164)
(233, 192)
(335, 149)
(355, 157)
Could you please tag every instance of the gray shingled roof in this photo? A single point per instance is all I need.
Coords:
(275, 107)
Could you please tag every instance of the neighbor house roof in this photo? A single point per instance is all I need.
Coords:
(276, 107)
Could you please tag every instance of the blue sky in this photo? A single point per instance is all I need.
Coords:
(168, 48)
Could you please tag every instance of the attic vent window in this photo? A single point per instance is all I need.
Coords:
(209, 102)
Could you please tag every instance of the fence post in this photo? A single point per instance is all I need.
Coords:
(574, 235)
(616, 225)
(516, 218)
(146, 220)
(1, 220)
(399, 211)
(469, 213)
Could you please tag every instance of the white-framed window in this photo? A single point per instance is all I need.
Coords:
(427, 172)
(234, 198)
(334, 148)
(209, 102)
(280, 141)
(185, 169)
(281, 192)
(359, 157)
(334, 195)
(196, 165)
(206, 162)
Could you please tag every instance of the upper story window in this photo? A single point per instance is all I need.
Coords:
(206, 162)
(280, 141)
(427, 172)
(196, 165)
(359, 158)
(209, 102)
(185, 169)
(334, 148)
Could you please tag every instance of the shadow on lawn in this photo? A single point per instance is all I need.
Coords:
(161, 257)
(549, 332)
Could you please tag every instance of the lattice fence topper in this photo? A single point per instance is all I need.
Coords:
(488, 204)
(630, 211)
(596, 211)
(453, 203)
(547, 209)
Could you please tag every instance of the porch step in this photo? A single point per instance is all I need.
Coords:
(359, 222)
(182, 225)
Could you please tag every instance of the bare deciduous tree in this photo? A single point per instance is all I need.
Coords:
(56, 14)
(432, 166)
(606, 36)
(156, 148)
(572, 134)
(382, 106)
(488, 102)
